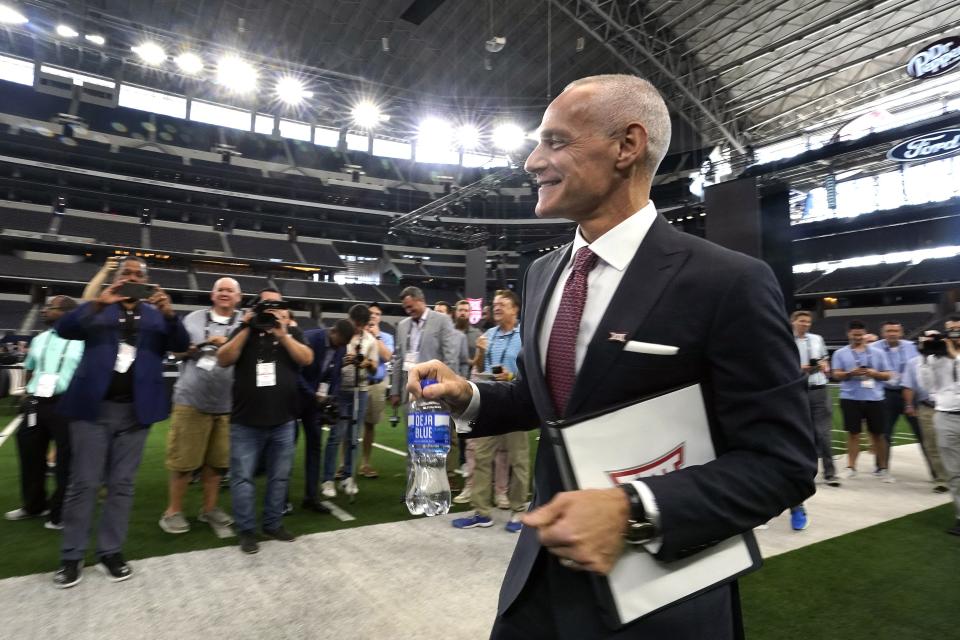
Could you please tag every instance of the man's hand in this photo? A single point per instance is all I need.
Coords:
(450, 387)
(951, 348)
(283, 320)
(503, 376)
(161, 301)
(805, 368)
(583, 526)
(909, 410)
(483, 343)
(109, 295)
(871, 373)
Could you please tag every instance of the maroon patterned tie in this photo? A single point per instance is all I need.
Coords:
(562, 347)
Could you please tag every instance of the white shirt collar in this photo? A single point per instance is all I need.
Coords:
(423, 317)
(618, 245)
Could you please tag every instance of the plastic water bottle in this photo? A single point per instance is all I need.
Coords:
(428, 443)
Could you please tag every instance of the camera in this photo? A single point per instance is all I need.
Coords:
(815, 363)
(262, 319)
(496, 369)
(328, 412)
(935, 343)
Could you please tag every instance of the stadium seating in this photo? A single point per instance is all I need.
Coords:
(119, 233)
(12, 314)
(45, 270)
(855, 278)
(311, 289)
(931, 271)
(24, 220)
(262, 248)
(184, 239)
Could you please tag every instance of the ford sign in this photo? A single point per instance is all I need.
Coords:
(936, 59)
(925, 147)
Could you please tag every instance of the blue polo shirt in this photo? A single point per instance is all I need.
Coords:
(909, 380)
(847, 359)
(503, 348)
(897, 358)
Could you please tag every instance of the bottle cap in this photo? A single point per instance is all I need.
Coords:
(426, 382)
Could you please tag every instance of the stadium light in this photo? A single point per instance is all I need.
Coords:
(508, 137)
(151, 53)
(95, 38)
(468, 136)
(9, 15)
(435, 133)
(66, 31)
(189, 63)
(236, 75)
(366, 115)
(292, 91)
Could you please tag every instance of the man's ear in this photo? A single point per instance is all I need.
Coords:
(633, 146)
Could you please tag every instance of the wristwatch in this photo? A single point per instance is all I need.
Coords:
(639, 528)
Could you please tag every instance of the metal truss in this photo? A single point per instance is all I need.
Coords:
(639, 40)
(411, 222)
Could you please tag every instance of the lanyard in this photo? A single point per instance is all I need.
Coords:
(901, 363)
(488, 358)
(63, 353)
(210, 321)
(417, 324)
(856, 360)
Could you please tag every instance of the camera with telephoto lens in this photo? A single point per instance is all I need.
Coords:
(262, 319)
(934, 343)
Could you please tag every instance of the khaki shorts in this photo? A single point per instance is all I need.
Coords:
(376, 401)
(196, 439)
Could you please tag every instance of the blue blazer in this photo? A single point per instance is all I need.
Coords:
(311, 376)
(101, 335)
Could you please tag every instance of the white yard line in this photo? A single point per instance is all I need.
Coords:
(337, 512)
(10, 428)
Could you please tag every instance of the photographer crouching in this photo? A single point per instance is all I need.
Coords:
(267, 354)
(938, 373)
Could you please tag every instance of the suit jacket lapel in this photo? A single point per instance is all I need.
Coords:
(653, 266)
(538, 298)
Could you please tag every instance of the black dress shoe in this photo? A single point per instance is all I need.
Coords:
(248, 542)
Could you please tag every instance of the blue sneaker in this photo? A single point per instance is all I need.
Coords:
(798, 518)
(514, 525)
(476, 520)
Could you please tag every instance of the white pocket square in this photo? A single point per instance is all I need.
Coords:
(650, 348)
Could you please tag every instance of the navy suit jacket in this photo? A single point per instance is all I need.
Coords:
(101, 335)
(311, 376)
(725, 312)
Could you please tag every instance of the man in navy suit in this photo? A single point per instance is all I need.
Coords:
(629, 276)
(117, 392)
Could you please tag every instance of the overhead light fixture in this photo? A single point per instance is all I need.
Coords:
(151, 53)
(508, 137)
(366, 115)
(468, 136)
(434, 133)
(292, 91)
(95, 38)
(10, 15)
(66, 31)
(189, 63)
(236, 74)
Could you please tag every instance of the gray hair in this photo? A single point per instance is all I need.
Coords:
(231, 280)
(624, 99)
(414, 292)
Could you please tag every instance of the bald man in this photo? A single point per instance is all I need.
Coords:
(199, 435)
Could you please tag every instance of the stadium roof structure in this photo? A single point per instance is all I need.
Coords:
(734, 73)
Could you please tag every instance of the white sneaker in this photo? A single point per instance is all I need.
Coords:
(885, 476)
(328, 489)
(464, 496)
(848, 473)
(349, 487)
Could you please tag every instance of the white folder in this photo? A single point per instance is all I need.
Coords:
(653, 436)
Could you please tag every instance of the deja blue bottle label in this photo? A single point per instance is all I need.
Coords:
(430, 429)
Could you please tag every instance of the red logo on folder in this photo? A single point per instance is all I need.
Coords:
(664, 464)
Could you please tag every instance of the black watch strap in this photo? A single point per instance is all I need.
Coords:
(639, 528)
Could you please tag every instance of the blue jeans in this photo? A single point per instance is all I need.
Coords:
(338, 433)
(247, 444)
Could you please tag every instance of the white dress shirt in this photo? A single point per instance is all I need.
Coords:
(812, 346)
(615, 249)
(941, 378)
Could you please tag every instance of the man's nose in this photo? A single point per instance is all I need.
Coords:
(535, 162)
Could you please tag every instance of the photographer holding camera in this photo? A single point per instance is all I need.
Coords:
(199, 435)
(116, 393)
(938, 373)
(319, 385)
(268, 354)
(359, 363)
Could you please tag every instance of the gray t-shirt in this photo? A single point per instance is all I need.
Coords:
(204, 387)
